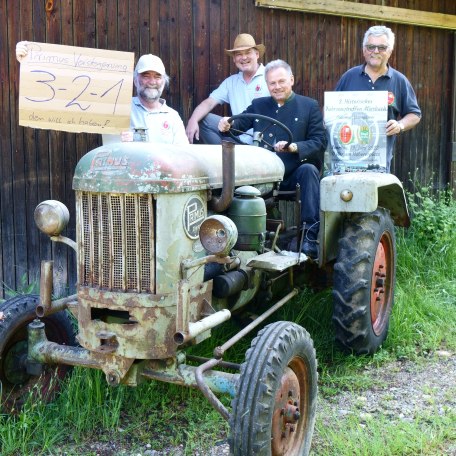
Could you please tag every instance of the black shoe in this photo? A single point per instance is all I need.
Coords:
(310, 248)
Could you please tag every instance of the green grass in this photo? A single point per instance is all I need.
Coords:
(426, 435)
(163, 415)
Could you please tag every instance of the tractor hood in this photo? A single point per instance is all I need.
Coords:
(140, 167)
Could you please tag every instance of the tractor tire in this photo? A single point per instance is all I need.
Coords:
(364, 277)
(16, 384)
(274, 409)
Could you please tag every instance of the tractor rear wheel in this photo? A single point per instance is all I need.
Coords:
(364, 277)
(274, 409)
(16, 384)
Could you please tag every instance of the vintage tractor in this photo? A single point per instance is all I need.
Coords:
(172, 242)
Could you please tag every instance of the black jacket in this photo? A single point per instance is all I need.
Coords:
(302, 116)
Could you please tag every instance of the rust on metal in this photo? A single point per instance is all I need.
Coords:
(220, 350)
(140, 167)
(204, 388)
(220, 204)
(56, 305)
(47, 268)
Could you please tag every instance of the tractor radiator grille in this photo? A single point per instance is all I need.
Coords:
(116, 241)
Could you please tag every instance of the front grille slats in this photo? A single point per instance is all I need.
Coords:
(116, 241)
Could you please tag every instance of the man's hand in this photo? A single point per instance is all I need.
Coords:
(21, 50)
(192, 130)
(393, 127)
(126, 136)
(280, 147)
(224, 125)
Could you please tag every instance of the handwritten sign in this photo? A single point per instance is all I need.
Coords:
(75, 89)
(356, 125)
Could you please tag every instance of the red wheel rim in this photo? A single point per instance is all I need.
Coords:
(289, 421)
(381, 286)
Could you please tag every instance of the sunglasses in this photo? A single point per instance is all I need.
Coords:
(372, 47)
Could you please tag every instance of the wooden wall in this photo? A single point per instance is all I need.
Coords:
(190, 36)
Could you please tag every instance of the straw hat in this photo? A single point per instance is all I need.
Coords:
(245, 41)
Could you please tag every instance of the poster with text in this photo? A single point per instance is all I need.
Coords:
(356, 126)
(75, 89)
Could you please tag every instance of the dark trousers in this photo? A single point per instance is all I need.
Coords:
(308, 177)
(209, 132)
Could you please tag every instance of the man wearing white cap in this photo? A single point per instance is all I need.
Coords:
(237, 90)
(150, 114)
(158, 122)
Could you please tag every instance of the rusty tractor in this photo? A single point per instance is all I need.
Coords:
(173, 241)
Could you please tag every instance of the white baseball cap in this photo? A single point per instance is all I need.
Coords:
(150, 62)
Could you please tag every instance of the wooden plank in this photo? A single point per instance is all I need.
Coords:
(367, 11)
(201, 68)
(32, 174)
(134, 20)
(186, 81)
(144, 27)
(122, 26)
(217, 45)
(172, 62)
(7, 72)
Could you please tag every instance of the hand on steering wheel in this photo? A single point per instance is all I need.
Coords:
(258, 136)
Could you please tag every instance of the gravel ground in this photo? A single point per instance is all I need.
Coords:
(400, 390)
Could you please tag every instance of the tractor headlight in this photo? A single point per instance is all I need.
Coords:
(51, 217)
(218, 234)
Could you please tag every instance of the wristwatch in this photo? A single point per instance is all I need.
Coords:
(401, 126)
(293, 147)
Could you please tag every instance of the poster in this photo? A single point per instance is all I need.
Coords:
(356, 126)
(75, 89)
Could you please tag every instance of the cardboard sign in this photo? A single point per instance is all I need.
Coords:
(75, 89)
(356, 125)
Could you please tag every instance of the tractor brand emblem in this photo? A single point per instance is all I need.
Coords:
(104, 161)
(193, 216)
(364, 134)
(391, 98)
(345, 134)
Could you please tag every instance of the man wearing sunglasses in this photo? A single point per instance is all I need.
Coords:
(376, 74)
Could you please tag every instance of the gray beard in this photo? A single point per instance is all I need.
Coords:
(150, 94)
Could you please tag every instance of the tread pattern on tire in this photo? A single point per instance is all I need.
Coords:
(251, 417)
(352, 282)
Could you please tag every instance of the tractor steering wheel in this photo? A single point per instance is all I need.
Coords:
(258, 136)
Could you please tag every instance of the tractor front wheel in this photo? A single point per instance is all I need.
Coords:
(274, 409)
(364, 277)
(16, 384)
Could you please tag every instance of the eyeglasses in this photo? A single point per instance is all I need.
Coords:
(372, 47)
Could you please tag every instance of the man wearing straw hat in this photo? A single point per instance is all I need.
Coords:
(237, 90)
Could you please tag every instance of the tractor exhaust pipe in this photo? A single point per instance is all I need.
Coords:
(221, 203)
(198, 327)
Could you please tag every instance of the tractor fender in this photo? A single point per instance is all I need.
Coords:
(364, 192)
